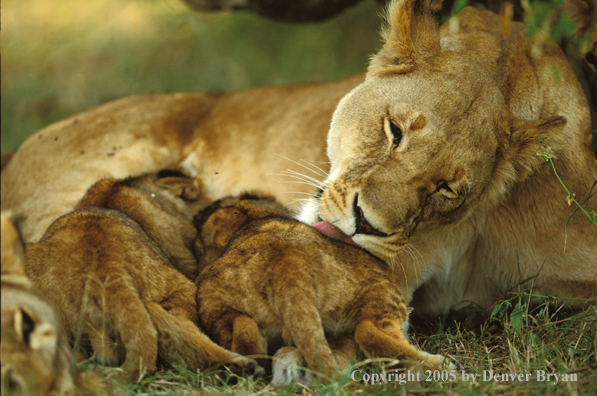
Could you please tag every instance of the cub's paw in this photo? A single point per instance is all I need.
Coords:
(438, 362)
(289, 367)
(241, 365)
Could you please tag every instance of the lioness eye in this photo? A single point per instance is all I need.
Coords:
(396, 132)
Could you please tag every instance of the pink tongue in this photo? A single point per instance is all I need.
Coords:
(330, 230)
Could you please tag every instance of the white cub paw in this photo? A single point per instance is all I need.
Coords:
(441, 362)
(289, 367)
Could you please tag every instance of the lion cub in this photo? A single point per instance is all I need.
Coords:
(36, 358)
(278, 276)
(108, 267)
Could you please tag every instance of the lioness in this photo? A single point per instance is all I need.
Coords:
(432, 152)
(279, 277)
(36, 358)
(107, 267)
(434, 166)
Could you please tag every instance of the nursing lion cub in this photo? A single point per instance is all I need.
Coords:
(432, 152)
(278, 277)
(35, 355)
(108, 268)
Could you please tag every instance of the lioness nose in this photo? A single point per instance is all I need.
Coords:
(362, 225)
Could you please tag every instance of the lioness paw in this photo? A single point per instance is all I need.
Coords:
(289, 367)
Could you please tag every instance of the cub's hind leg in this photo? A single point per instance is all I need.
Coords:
(289, 364)
(179, 338)
(382, 336)
(128, 316)
(240, 334)
(303, 327)
(247, 339)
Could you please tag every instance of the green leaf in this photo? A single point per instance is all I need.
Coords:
(498, 307)
(516, 317)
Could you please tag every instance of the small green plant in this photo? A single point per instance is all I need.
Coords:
(545, 152)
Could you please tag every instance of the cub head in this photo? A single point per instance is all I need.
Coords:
(166, 187)
(422, 142)
(217, 224)
(29, 347)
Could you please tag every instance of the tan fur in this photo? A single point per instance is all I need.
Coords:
(111, 260)
(278, 277)
(163, 205)
(434, 166)
(36, 358)
(484, 97)
(232, 142)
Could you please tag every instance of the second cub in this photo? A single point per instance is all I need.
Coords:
(277, 276)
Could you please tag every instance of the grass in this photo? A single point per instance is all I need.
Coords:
(521, 338)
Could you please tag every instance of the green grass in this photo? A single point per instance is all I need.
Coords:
(520, 338)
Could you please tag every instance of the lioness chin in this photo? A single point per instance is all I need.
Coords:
(433, 163)
(276, 277)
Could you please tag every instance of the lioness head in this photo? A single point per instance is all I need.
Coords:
(426, 139)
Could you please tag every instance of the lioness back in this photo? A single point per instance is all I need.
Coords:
(232, 141)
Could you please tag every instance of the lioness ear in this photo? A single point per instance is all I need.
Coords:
(411, 34)
(523, 145)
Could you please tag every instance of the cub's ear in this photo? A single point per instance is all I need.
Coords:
(33, 333)
(411, 34)
(13, 247)
(187, 188)
(523, 145)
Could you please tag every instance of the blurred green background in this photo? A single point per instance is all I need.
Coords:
(60, 57)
